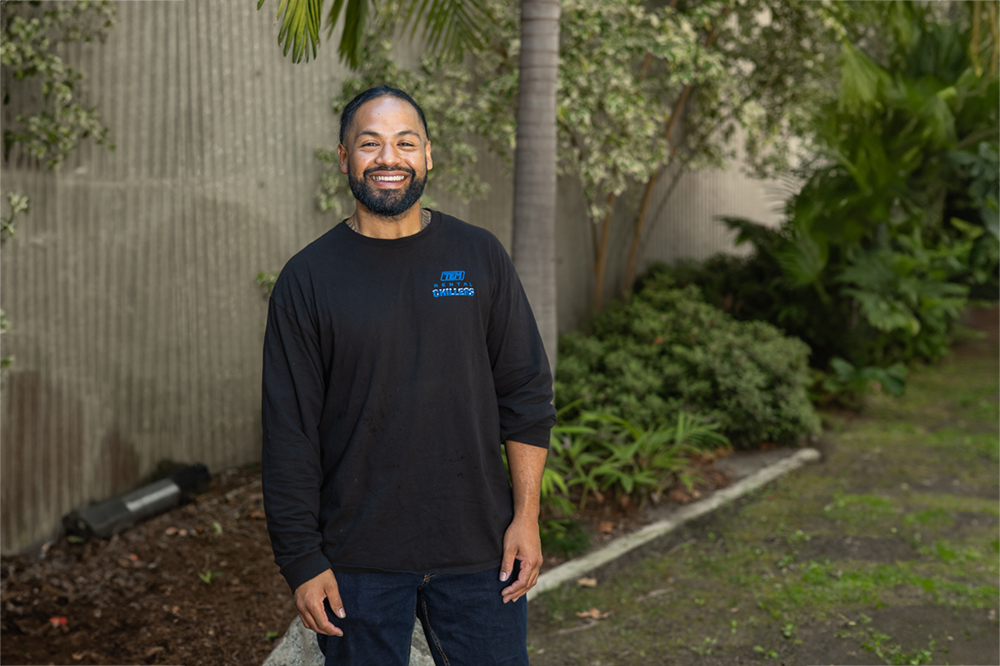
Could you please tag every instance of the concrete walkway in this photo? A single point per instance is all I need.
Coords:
(753, 470)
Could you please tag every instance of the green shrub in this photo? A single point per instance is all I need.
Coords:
(667, 351)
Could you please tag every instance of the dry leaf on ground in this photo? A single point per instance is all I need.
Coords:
(593, 614)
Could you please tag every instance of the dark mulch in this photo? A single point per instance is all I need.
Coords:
(138, 597)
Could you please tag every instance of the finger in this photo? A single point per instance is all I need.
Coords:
(517, 588)
(511, 590)
(307, 621)
(507, 564)
(314, 617)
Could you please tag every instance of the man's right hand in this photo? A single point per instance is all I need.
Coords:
(309, 598)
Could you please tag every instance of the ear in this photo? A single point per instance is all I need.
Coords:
(343, 158)
(427, 155)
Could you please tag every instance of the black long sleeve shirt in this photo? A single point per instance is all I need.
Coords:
(393, 371)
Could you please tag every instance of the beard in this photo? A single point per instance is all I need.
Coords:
(387, 203)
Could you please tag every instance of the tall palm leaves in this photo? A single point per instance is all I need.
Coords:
(450, 27)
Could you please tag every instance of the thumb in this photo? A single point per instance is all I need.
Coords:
(333, 596)
(507, 564)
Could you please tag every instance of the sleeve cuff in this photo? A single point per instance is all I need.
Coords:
(537, 435)
(304, 568)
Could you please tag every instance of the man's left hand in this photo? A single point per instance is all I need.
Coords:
(521, 542)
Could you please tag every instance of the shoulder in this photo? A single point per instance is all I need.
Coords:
(470, 235)
(297, 275)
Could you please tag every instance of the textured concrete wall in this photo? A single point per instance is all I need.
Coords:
(136, 323)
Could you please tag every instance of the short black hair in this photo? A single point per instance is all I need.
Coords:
(347, 115)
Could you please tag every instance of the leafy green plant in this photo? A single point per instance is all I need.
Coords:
(667, 351)
(846, 383)
(880, 645)
(564, 536)
(56, 121)
(266, 280)
(207, 576)
(602, 455)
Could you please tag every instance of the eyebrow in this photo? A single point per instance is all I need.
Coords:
(379, 136)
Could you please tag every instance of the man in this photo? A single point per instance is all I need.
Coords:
(400, 353)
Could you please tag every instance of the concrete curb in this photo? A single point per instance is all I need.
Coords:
(576, 568)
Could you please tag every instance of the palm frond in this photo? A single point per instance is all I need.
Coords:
(450, 26)
(300, 22)
(355, 23)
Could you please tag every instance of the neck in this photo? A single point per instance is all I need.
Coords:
(368, 224)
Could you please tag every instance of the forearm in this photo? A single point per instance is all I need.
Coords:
(527, 464)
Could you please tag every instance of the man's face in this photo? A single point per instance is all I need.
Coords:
(387, 156)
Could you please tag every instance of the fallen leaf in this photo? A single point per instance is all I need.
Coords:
(170, 531)
(593, 614)
(587, 582)
(652, 593)
(733, 610)
(605, 526)
(257, 515)
(133, 557)
(58, 621)
(679, 496)
(182, 532)
(79, 655)
(154, 650)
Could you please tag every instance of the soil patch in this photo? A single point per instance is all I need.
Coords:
(861, 548)
(195, 586)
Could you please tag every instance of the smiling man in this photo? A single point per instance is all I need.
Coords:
(400, 354)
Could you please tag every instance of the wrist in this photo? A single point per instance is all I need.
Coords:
(525, 516)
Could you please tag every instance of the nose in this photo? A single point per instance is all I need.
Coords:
(387, 156)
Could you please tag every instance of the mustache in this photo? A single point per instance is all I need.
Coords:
(380, 169)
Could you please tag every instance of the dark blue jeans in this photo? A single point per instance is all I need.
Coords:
(464, 619)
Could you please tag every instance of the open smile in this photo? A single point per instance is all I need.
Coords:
(388, 179)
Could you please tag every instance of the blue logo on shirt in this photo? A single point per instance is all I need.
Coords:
(453, 284)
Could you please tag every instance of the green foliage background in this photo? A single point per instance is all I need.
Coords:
(897, 221)
(667, 352)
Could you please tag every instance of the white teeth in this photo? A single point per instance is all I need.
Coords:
(388, 179)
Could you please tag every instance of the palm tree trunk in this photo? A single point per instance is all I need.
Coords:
(534, 226)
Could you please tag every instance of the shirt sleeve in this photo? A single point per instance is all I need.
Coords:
(521, 373)
(292, 475)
